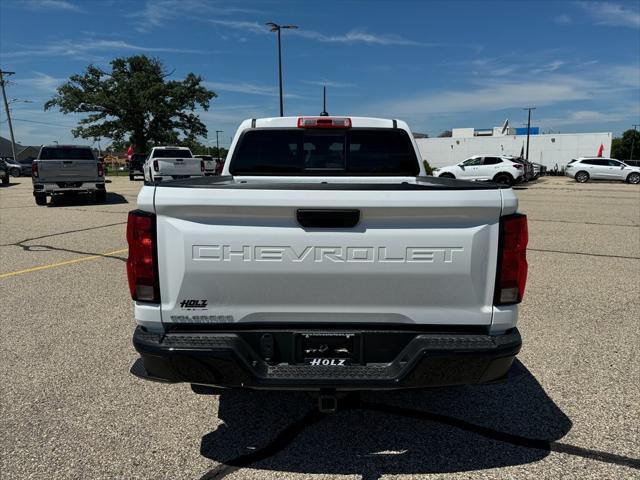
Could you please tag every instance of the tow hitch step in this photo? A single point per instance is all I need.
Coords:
(327, 403)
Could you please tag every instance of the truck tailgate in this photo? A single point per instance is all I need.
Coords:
(179, 166)
(415, 257)
(67, 171)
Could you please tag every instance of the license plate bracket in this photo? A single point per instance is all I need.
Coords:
(328, 349)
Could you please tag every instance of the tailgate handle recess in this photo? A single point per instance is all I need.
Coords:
(67, 162)
(328, 218)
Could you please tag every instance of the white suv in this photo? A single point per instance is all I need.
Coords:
(598, 168)
(500, 169)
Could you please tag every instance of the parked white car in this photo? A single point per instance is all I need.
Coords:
(584, 169)
(500, 169)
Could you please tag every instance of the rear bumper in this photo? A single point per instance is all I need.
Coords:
(69, 186)
(387, 359)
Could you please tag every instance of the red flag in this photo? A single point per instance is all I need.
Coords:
(600, 150)
(130, 152)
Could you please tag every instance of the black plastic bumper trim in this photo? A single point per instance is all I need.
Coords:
(226, 359)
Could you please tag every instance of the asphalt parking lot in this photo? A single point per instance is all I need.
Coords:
(70, 409)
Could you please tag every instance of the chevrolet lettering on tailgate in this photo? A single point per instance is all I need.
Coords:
(229, 253)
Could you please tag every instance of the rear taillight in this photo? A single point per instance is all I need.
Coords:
(100, 169)
(155, 166)
(202, 166)
(142, 266)
(34, 170)
(324, 122)
(512, 260)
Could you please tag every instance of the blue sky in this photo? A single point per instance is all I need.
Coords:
(438, 65)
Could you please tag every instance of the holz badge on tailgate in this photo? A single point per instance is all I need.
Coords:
(193, 304)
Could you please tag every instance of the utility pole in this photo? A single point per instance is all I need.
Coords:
(276, 28)
(218, 143)
(633, 141)
(6, 108)
(528, 129)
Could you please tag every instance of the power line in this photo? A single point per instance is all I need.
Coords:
(43, 123)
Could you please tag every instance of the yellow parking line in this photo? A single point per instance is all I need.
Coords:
(60, 264)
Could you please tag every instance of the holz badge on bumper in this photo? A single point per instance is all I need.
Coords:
(328, 362)
(328, 349)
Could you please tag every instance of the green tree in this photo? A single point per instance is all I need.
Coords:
(134, 102)
(621, 146)
(427, 167)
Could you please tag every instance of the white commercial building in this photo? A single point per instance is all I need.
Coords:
(548, 149)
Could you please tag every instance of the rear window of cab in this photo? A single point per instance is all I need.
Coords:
(62, 153)
(330, 152)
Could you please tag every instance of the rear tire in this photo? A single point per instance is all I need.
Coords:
(633, 178)
(101, 196)
(503, 179)
(14, 172)
(5, 180)
(447, 175)
(41, 199)
(131, 177)
(582, 177)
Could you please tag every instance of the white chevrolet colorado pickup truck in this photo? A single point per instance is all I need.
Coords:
(324, 259)
(170, 163)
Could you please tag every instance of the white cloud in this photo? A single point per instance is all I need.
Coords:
(616, 85)
(87, 49)
(157, 13)
(584, 117)
(329, 83)
(247, 88)
(351, 37)
(492, 96)
(360, 36)
(563, 19)
(251, 27)
(613, 14)
(40, 5)
(549, 67)
(42, 82)
(623, 76)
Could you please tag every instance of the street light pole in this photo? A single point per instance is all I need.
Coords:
(277, 28)
(6, 108)
(280, 73)
(528, 129)
(218, 143)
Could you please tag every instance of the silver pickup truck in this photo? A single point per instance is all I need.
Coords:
(65, 169)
